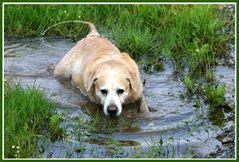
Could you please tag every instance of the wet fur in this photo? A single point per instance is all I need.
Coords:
(93, 62)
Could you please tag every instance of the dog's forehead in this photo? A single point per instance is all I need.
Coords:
(113, 81)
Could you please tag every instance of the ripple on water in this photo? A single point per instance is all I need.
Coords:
(174, 121)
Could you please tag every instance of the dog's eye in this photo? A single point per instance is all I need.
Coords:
(120, 91)
(103, 91)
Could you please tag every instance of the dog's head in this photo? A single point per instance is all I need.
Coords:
(111, 84)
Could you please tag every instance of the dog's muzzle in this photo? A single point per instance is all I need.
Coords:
(112, 110)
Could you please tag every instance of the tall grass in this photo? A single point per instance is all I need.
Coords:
(27, 113)
(189, 35)
(175, 31)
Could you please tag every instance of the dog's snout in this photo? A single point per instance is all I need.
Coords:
(112, 110)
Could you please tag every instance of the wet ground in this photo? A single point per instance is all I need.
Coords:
(174, 128)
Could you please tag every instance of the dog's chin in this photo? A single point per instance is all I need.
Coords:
(112, 115)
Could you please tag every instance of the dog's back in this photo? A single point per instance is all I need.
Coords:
(84, 51)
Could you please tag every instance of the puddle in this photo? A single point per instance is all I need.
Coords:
(183, 129)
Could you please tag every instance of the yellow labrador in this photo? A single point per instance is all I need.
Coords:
(99, 70)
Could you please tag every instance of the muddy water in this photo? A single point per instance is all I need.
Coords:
(180, 128)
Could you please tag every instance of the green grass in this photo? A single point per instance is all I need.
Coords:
(187, 34)
(154, 150)
(27, 113)
(215, 95)
(188, 83)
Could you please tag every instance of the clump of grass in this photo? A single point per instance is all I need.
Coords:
(155, 150)
(94, 125)
(27, 113)
(114, 150)
(86, 127)
(201, 58)
(55, 131)
(215, 95)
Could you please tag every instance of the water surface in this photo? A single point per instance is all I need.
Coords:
(176, 124)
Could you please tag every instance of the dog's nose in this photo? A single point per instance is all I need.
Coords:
(112, 110)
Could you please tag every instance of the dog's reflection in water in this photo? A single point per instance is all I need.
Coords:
(126, 122)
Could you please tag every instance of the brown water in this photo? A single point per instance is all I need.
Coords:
(175, 122)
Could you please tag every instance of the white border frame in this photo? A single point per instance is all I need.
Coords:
(101, 3)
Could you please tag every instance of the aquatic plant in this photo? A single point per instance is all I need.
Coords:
(188, 83)
(55, 130)
(156, 149)
(215, 95)
(114, 150)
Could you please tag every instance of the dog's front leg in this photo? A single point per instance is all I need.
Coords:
(143, 106)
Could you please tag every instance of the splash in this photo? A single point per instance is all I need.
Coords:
(42, 39)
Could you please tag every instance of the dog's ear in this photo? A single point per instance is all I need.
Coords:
(133, 81)
(132, 76)
(90, 80)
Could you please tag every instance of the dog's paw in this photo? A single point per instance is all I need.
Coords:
(51, 67)
(143, 106)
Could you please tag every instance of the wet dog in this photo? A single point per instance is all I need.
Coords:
(99, 70)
